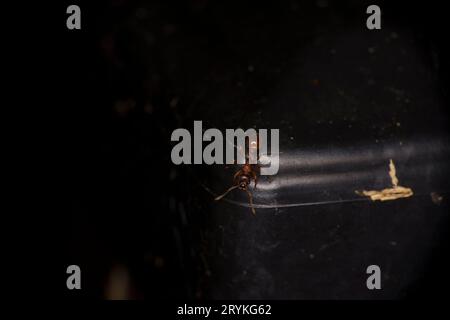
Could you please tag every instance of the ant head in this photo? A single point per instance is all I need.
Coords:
(244, 181)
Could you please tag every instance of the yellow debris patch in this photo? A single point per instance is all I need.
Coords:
(396, 192)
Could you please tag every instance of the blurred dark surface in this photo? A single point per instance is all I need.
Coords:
(346, 99)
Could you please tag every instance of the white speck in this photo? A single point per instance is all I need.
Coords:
(251, 68)
(311, 256)
(371, 50)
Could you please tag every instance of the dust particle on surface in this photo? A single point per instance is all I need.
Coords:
(436, 198)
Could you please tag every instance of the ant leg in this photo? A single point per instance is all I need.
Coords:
(225, 193)
(250, 199)
(236, 177)
(255, 177)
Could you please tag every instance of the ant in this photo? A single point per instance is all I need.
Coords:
(243, 178)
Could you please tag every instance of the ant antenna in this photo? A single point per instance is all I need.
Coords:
(226, 192)
(250, 197)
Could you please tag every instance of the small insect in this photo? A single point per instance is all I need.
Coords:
(244, 177)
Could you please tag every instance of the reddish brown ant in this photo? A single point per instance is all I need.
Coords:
(243, 178)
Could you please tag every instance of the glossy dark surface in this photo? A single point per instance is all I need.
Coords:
(346, 100)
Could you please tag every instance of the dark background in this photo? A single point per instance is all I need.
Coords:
(139, 69)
